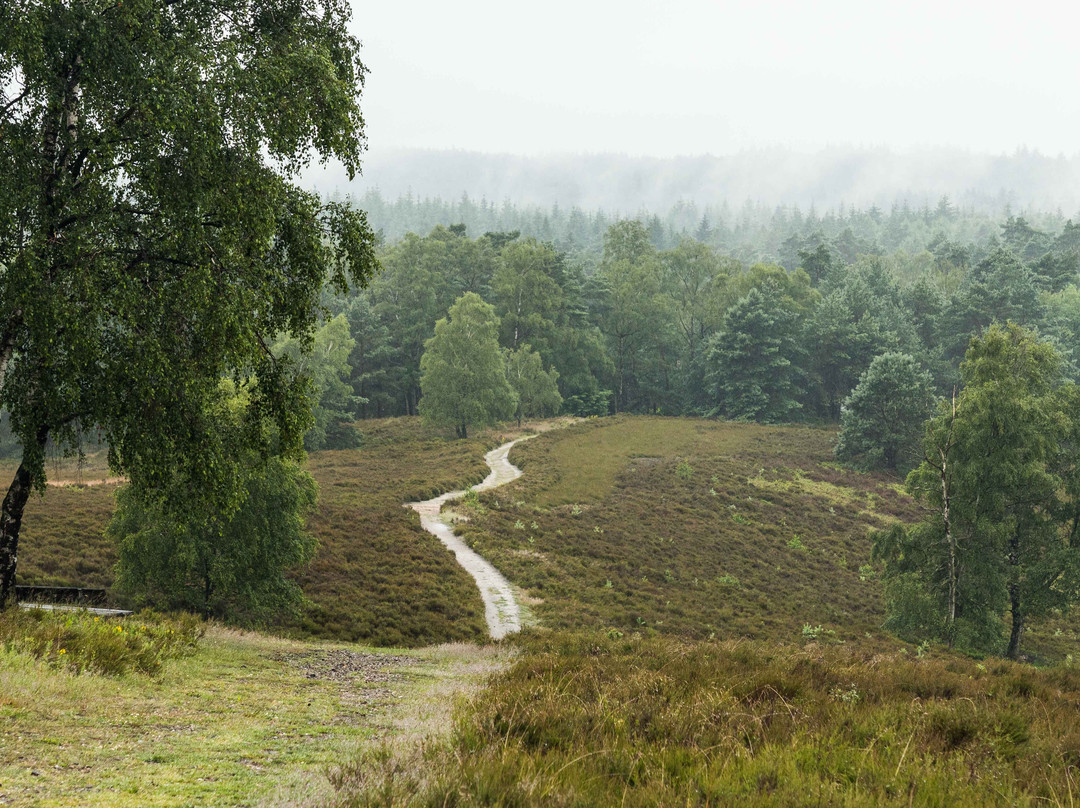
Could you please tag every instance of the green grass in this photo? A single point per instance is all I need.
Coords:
(587, 720)
(247, 719)
(691, 527)
(580, 464)
(79, 642)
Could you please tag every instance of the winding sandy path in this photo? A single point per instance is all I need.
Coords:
(500, 607)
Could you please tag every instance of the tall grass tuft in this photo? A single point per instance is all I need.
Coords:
(80, 642)
(589, 719)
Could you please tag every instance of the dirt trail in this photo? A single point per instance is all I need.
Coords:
(500, 607)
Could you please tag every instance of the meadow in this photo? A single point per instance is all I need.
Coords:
(704, 628)
(585, 719)
(707, 631)
(378, 578)
(230, 719)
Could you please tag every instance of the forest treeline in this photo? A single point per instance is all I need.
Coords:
(681, 325)
(829, 177)
(753, 231)
(766, 315)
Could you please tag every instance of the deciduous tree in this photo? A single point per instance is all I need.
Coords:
(883, 418)
(998, 479)
(462, 371)
(151, 237)
(537, 389)
(227, 563)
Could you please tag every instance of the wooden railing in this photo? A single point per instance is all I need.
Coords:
(73, 595)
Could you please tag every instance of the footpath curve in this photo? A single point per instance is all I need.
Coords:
(501, 608)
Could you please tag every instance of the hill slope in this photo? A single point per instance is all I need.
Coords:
(692, 527)
(377, 578)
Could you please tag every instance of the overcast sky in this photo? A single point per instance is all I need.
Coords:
(694, 77)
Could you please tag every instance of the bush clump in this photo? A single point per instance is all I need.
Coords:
(81, 642)
(602, 719)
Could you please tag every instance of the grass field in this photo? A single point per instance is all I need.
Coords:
(586, 720)
(246, 720)
(708, 634)
(692, 527)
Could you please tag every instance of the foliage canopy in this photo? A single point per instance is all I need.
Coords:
(151, 238)
(463, 374)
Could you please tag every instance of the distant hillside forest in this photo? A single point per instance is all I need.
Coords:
(752, 232)
(839, 175)
(759, 315)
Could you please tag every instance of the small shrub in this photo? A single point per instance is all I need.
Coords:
(82, 643)
(471, 500)
(684, 470)
(952, 729)
(818, 632)
(795, 543)
(849, 696)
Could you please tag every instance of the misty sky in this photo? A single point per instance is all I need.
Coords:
(693, 77)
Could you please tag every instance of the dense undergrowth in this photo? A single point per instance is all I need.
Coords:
(693, 527)
(80, 642)
(584, 719)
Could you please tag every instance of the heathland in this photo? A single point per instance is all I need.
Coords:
(704, 626)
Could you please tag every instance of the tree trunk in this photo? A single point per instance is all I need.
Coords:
(7, 345)
(208, 588)
(1017, 623)
(950, 625)
(950, 539)
(10, 522)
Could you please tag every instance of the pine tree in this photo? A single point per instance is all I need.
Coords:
(751, 362)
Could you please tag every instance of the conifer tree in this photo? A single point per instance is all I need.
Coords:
(882, 421)
(751, 369)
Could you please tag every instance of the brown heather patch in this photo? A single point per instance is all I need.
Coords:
(699, 529)
(582, 719)
(63, 541)
(694, 527)
(378, 578)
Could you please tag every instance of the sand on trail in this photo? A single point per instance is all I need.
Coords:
(500, 606)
